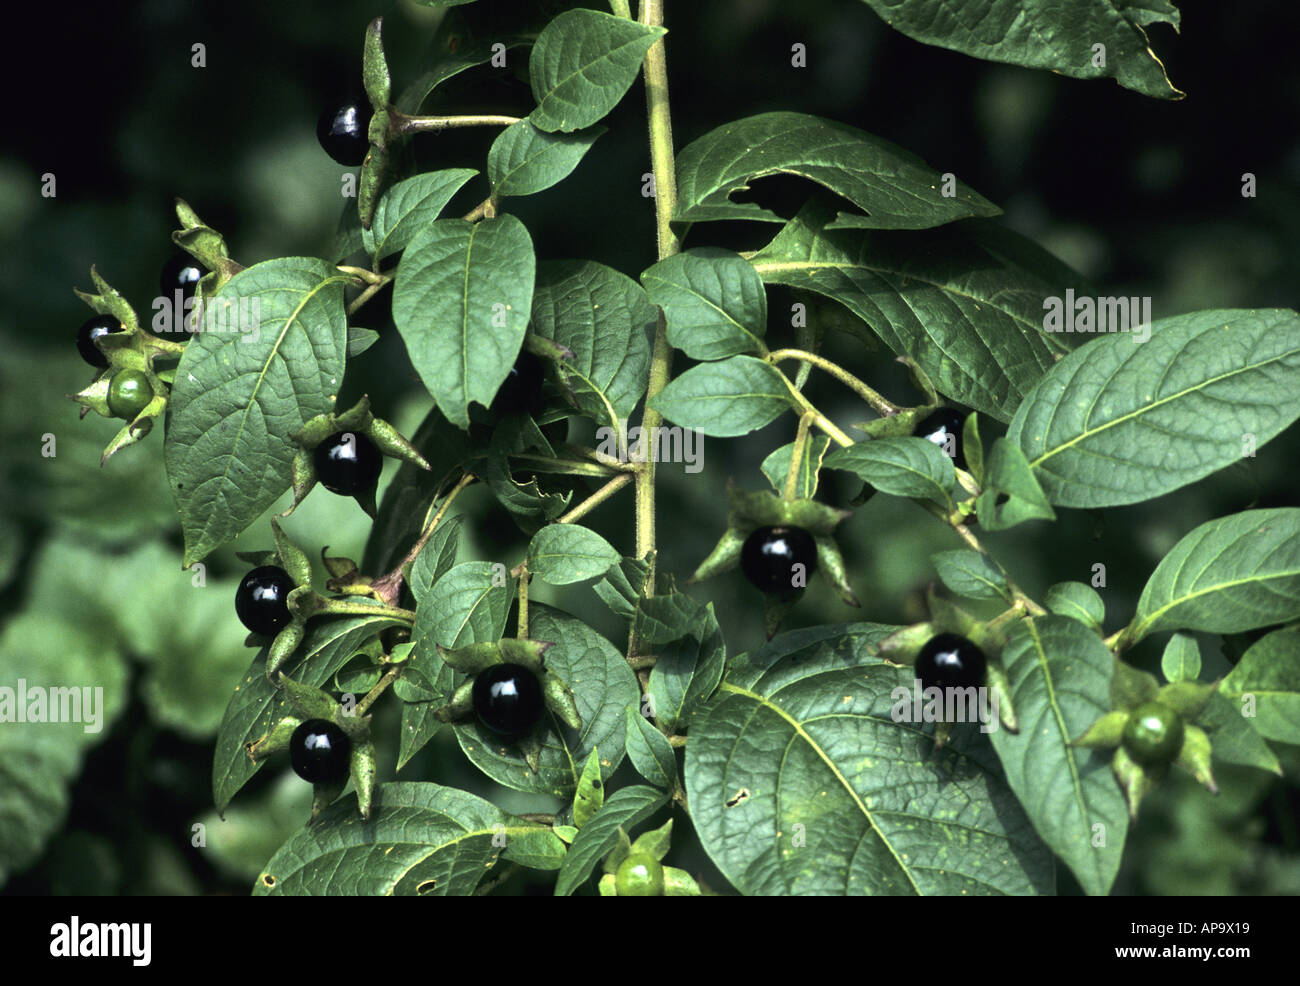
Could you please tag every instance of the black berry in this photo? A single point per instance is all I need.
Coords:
(950, 661)
(181, 272)
(92, 329)
(320, 752)
(342, 132)
(262, 600)
(521, 391)
(508, 700)
(770, 554)
(943, 427)
(348, 463)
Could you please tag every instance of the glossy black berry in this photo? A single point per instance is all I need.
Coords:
(1153, 735)
(508, 700)
(181, 272)
(938, 426)
(342, 132)
(950, 661)
(320, 752)
(348, 463)
(92, 329)
(770, 555)
(521, 391)
(262, 600)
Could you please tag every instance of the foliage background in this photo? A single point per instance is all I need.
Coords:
(1141, 196)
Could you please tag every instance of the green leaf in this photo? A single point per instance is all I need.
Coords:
(1270, 672)
(714, 303)
(686, 672)
(1233, 736)
(900, 466)
(58, 667)
(524, 160)
(1227, 575)
(622, 586)
(725, 399)
(777, 466)
(964, 302)
(1077, 601)
(1181, 660)
(649, 750)
(461, 304)
(971, 574)
(420, 840)
(1009, 479)
(895, 188)
(240, 393)
(565, 553)
(802, 781)
(623, 809)
(1059, 674)
(257, 705)
(1043, 34)
(410, 206)
(582, 64)
(436, 558)
(603, 687)
(667, 617)
(590, 794)
(1120, 421)
(603, 317)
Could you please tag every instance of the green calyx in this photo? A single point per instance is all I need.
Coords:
(387, 439)
(309, 702)
(473, 658)
(752, 510)
(129, 388)
(1150, 728)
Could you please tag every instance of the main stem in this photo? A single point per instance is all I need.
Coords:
(655, 71)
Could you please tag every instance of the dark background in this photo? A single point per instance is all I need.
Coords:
(1142, 196)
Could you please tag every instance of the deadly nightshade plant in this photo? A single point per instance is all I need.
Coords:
(743, 747)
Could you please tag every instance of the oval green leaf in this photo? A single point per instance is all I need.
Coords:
(1123, 420)
(461, 303)
(725, 399)
(1231, 574)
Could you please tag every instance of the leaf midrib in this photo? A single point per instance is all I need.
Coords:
(1088, 433)
(275, 349)
(800, 731)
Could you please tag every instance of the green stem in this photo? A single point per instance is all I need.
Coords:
(521, 628)
(399, 124)
(796, 458)
(655, 70)
(596, 499)
(883, 407)
(390, 586)
(341, 607)
(620, 8)
(381, 686)
(819, 419)
(370, 291)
